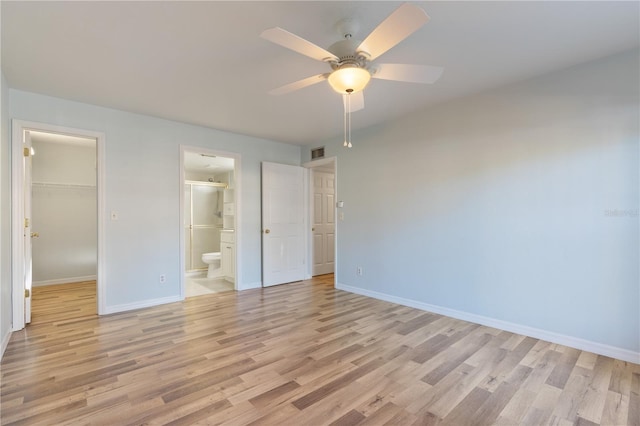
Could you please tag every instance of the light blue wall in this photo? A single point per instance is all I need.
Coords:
(519, 204)
(142, 185)
(5, 216)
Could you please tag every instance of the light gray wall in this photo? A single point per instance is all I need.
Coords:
(519, 204)
(64, 212)
(143, 186)
(5, 216)
(63, 163)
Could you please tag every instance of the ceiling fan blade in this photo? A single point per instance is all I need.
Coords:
(296, 43)
(357, 101)
(409, 73)
(399, 25)
(299, 84)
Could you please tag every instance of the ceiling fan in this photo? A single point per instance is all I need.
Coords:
(351, 60)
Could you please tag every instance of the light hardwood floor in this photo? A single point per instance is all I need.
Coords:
(303, 354)
(63, 301)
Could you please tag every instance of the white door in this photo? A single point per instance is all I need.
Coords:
(27, 226)
(283, 224)
(323, 226)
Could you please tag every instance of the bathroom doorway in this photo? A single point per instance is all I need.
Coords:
(209, 221)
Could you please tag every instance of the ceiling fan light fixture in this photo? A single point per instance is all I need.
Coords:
(349, 79)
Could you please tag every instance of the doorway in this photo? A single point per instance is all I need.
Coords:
(322, 216)
(57, 216)
(64, 225)
(210, 219)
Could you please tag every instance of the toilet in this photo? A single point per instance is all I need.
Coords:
(213, 260)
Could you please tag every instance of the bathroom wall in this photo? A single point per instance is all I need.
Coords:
(64, 212)
(228, 216)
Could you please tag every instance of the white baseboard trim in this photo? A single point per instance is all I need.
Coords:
(5, 343)
(249, 286)
(64, 281)
(549, 336)
(142, 304)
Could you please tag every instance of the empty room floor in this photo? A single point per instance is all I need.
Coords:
(303, 354)
(63, 302)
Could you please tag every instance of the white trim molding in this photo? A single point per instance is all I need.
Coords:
(560, 339)
(64, 281)
(142, 304)
(18, 128)
(5, 343)
(248, 286)
(237, 199)
(309, 165)
(17, 213)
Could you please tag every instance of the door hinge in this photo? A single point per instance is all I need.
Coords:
(27, 293)
(26, 222)
(26, 152)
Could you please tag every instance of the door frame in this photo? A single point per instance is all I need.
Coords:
(237, 196)
(18, 127)
(311, 165)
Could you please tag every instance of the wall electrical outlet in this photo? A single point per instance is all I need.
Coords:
(359, 270)
(163, 278)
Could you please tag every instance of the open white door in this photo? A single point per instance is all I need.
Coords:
(27, 152)
(283, 224)
(323, 226)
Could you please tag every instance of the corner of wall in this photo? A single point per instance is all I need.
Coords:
(5, 219)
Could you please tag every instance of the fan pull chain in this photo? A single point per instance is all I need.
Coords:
(348, 118)
(345, 123)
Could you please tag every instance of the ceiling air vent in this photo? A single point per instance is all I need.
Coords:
(317, 153)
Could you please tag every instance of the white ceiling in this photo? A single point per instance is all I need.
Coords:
(202, 163)
(204, 62)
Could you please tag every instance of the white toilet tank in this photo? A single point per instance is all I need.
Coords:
(208, 257)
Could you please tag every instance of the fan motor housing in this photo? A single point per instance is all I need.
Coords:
(345, 50)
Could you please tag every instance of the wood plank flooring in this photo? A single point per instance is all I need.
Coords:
(63, 301)
(302, 354)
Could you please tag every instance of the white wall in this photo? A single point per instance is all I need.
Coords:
(518, 206)
(5, 218)
(142, 184)
(64, 212)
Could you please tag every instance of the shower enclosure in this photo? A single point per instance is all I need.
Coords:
(203, 221)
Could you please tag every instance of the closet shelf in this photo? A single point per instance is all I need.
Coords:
(61, 185)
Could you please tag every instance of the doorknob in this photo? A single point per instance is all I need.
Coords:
(35, 235)
(313, 229)
(266, 231)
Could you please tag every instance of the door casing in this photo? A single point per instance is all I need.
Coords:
(237, 177)
(311, 165)
(18, 127)
(322, 220)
